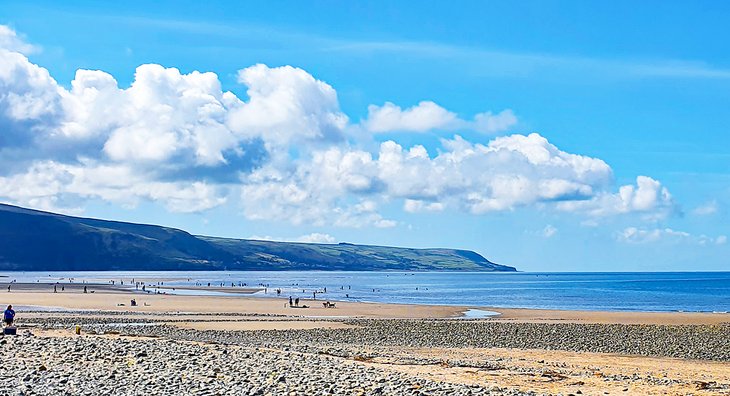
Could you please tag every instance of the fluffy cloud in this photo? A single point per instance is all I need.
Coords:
(508, 173)
(54, 186)
(640, 236)
(287, 106)
(648, 198)
(428, 116)
(181, 140)
(10, 41)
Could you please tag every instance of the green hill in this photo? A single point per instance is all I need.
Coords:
(32, 240)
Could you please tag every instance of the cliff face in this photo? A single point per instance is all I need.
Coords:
(32, 240)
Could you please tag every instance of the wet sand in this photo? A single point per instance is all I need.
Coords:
(117, 297)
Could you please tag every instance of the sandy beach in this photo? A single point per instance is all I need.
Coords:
(354, 348)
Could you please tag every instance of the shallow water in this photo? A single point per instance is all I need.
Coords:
(667, 291)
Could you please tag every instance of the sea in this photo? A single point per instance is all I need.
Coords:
(605, 291)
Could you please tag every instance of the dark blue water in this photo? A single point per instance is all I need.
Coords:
(675, 291)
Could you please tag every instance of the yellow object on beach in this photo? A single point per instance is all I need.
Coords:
(78, 330)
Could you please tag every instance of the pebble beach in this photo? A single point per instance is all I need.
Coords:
(125, 353)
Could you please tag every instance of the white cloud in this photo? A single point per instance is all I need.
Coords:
(636, 235)
(415, 206)
(182, 141)
(10, 41)
(549, 231)
(509, 172)
(427, 116)
(27, 92)
(286, 106)
(648, 198)
(493, 123)
(314, 237)
(707, 209)
(423, 117)
(51, 185)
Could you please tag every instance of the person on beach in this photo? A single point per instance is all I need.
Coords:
(296, 302)
(8, 288)
(290, 301)
(85, 291)
(54, 289)
(9, 316)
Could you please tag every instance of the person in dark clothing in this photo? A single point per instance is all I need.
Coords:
(9, 316)
(290, 301)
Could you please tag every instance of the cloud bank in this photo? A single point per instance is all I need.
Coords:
(282, 153)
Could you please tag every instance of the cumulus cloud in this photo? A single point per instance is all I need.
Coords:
(287, 106)
(11, 41)
(647, 197)
(427, 116)
(509, 172)
(636, 235)
(181, 140)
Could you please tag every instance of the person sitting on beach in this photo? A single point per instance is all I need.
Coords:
(9, 316)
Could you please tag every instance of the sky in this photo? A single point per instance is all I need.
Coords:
(545, 135)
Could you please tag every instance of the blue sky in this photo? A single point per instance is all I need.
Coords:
(546, 135)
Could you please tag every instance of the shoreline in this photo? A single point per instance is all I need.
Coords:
(103, 297)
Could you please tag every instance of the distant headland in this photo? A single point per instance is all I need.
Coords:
(32, 240)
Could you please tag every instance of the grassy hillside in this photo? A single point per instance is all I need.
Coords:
(35, 240)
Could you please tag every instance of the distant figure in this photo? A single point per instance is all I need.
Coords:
(143, 288)
(133, 303)
(296, 302)
(290, 301)
(63, 287)
(347, 296)
(325, 290)
(314, 295)
(85, 291)
(8, 288)
(54, 289)
(9, 316)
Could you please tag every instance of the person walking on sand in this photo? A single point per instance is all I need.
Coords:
(290, 301)
(54, 289)
(9, 316)
(296, 302)
(85, 291)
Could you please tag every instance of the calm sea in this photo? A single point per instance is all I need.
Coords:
(669, 291)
